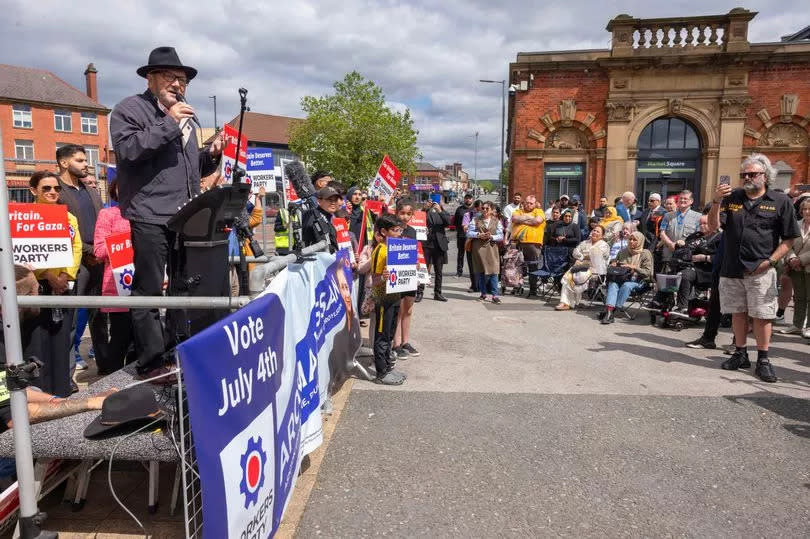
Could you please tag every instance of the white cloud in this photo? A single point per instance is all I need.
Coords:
(426, 55)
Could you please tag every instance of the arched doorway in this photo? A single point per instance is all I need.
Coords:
(668, 158)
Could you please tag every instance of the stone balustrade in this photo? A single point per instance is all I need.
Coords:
(688, 35)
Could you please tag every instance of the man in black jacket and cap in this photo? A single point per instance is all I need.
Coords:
(159, 170)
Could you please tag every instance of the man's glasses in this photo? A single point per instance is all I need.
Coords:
(749, 175)
(47, 188)
(171, 77)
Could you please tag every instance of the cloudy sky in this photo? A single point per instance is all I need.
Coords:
(426, 55)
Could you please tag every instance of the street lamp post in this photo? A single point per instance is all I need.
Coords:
(503, 126)
(216, 125)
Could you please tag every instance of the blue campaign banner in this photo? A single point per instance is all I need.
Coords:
(401, 264)
(231, 375)
(259, 169)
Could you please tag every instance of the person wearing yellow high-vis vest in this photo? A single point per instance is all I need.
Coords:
(282, 236)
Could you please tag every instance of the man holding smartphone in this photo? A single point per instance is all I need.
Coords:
(759, 228)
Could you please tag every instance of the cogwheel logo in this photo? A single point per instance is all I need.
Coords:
(252, 463)
(393, 277)
(126, 279)
(228, 171)
(72, 232)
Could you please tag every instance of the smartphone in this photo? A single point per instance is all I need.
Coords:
(725, 180)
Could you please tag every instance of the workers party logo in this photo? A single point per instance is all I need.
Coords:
(126, 279)
(72, 231)
(253, 463)
(228, 170)
(393, 277)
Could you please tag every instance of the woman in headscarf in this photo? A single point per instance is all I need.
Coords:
(590, 258)
(551, 224)
(639, 264)
(622, 240)
(566, 232)
(612, 224)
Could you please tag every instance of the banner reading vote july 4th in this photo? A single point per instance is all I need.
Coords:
(401, 265)
(41, 235)
(119, 249)
(229, 153)
(260, 170)
(386, 181)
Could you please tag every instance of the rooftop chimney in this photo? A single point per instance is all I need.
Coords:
(90, 79)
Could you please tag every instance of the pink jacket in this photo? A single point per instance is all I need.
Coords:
(108, 223)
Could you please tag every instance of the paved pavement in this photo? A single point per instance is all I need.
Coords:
(517, 420)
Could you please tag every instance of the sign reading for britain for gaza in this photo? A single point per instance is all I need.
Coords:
(41, 236)
(419, 223)
(401, 265)
(386, 181)
(260, 171)
(229, 153)
(344, 240)
(119, 249)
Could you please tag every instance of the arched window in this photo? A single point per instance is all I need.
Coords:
(668, 134)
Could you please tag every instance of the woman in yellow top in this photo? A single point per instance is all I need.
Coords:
(47, 336)
(612, 224)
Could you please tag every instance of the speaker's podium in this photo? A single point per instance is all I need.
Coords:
(199, 264)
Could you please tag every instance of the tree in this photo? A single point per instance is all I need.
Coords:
(505, 173)
(486, 185)
(349, 132)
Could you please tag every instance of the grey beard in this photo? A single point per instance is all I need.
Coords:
(750, 187)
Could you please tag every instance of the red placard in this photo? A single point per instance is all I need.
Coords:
(344, 240)
(41, 235)
(419, 223)
(229, 152)
(374, 206)
(119, 248)
(387, 179)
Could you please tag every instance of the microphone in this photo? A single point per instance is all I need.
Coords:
(194, 119)
(300, 179)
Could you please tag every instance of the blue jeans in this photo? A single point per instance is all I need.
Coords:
(617, 295)
(488, 284)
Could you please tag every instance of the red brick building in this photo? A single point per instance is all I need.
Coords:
(40, 112)
(672, 105)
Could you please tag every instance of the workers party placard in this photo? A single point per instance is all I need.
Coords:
(289, 191)
(419, 223)
(260, 171)
(401, 265)
(41, 235)
(344, 240)
(119, 249)
(422, 273)
(386, 181)
(229, 153)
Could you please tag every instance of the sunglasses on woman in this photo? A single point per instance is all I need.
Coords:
(48, 188)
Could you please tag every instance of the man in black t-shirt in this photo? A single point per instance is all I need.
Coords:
(759, 227)
(461, 237)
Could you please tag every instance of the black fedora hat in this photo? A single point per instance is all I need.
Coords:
(125, 411)
(165, 58)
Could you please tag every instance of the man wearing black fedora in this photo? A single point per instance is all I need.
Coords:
(159, 169)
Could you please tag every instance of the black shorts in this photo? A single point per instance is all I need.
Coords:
(411, 294)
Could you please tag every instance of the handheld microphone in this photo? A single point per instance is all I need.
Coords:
(300, 180)
(181, 98)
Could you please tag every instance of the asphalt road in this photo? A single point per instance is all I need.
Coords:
(520, 421)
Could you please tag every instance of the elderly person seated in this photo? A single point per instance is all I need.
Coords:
(696, 259)
(590, 258)
(611, 223)
(622, 240)
(565, 232)
(630, 270)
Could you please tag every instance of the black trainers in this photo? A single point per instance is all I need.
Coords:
(738, 360)
(410, 350)
(764, 371)
(400, 353)
(702, 343)
(390, 379)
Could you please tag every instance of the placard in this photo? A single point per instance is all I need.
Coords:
(289, 190)
(419, 223)
(41, 236)
(229, 153)
(260, 171)
(374, 206)
(422, 273)
(344, 240)
(119, 249)
(401, 265)
(386, 181)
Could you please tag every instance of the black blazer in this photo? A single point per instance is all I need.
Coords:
(437, 222)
